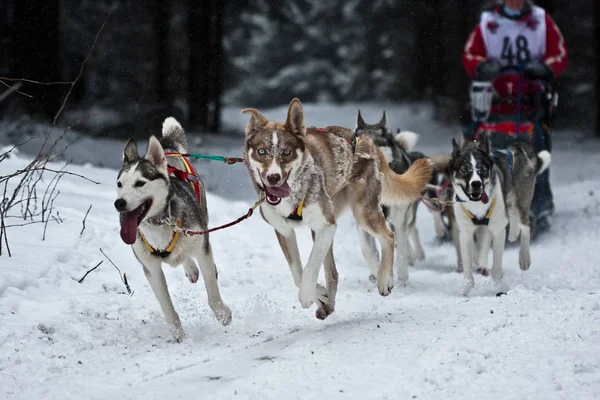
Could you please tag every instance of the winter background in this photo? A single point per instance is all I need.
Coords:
(202, 62)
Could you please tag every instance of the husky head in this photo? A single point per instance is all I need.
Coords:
(471, 169)
(378, 129)
(274, 151)
(142, 186)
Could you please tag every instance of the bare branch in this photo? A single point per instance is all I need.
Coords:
(25, 194)
(34, 82)
(11, 90)
(93, 269)
(43, 168)
(84, 218)
(123, 277)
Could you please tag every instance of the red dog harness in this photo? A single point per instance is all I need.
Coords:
(189, 175)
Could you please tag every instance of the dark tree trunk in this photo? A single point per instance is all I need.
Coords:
(597, 39)
(162, 19)
(199, 31)
(468, 24)
(216, 66)
(35, 53)
(205, 66)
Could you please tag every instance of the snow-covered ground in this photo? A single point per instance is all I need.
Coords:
(60, 339)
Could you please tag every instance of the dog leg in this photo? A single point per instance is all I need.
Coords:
(466, 250)
(323, 241)
(484, 242)
(377, 227)
(289, 246)
(455, 239)
(438, 223)
(158, 283)
(524, 204)
(419, 251)
(398, 217)
(524, 254)
(326, 308)
(369, 216)
(499, 242)
(369, 252)
(191, 270)
(210, 277)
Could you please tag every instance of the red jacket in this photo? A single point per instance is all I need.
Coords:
(556, 49)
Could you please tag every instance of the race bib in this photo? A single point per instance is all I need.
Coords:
(511, 42)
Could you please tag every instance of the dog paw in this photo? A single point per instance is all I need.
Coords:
(307, 294)
(497, 274)
(385, 283)
(223, 314)
(467, 285)
(482, 270)
(524, 260)
(192, 273)
(178, 335)
(420, 255)
(373, 278)
(324, 311)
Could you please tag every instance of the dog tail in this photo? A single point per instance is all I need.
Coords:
(407, 187)
(441, 162)
(172, 129)
(543, 161)
(407, 140)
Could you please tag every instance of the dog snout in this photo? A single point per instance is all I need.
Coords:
(120, 204)
(273, 179)
(476, 185)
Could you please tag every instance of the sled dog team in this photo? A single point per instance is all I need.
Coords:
(308, 176)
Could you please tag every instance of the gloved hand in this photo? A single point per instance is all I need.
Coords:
(487, 70)
(538, 70)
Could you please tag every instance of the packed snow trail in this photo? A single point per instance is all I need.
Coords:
(60, 339)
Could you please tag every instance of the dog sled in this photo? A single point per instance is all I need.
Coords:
(512, 108)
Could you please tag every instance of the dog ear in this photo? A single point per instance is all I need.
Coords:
(484, 144)
(295, 118)
(360, 122)
(383, 122)
(131, 151)
(455, 148)
(155, 153)
(256, 122)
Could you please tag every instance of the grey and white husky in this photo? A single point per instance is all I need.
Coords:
(403, 216)
(491, 190)
(151, 204)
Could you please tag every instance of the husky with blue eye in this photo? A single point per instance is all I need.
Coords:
(491, 190)
(154, 205)
(308, 177)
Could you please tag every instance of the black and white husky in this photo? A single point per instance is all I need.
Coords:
(491, 190)
(153, 207)
(397, 151)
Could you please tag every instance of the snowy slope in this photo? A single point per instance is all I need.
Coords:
(60, 339)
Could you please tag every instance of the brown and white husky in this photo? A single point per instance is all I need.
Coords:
(308, 177)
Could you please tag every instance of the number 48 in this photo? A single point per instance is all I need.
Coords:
(522, 54)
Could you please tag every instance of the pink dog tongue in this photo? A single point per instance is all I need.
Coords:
(129, 226)
(280, 191)
(484, 198)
